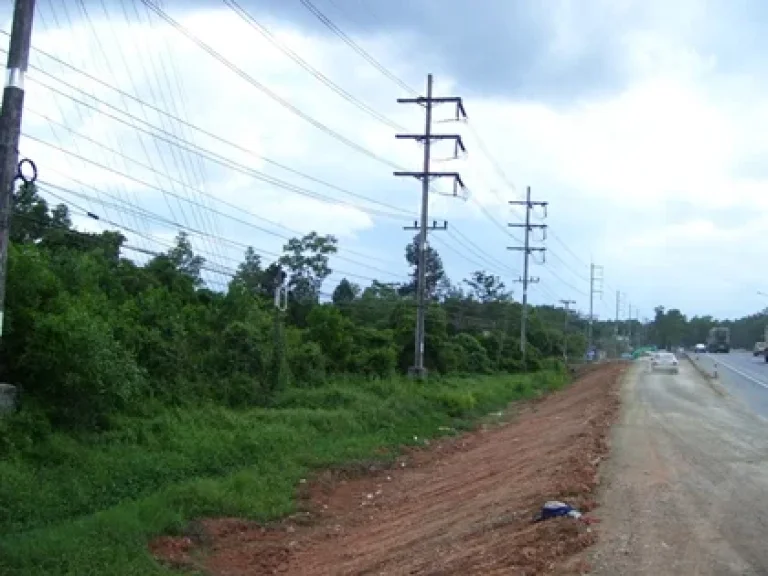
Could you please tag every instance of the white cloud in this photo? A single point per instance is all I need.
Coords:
(612, 167)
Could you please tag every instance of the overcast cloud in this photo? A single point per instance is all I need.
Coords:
(642, 123)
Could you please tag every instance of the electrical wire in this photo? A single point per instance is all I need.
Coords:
(189, 125)
(264, 31)
(48, 188)
(479, 141)
(267, 91)
(43, 22)
(356, 47)
(221, 160)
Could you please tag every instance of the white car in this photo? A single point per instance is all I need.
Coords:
(700, 348)
(664, 362)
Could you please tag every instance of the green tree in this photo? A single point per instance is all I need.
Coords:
(435, 279)
(306, 260)
(250, 275)
(345, 292)
(486, 287)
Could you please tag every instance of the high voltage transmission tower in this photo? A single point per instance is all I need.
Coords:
(418, 369)
(595, 288)
(10, 127)
(527, 251)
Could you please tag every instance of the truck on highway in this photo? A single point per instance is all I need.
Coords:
(765, 342)
(719, 339)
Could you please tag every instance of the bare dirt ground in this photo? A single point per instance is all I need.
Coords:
(463, 505)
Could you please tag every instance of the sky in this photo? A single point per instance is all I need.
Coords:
(246, 123)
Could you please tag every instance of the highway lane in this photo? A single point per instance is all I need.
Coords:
(742, 375)
(684, 490)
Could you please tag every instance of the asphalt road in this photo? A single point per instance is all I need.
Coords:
(742, 375)
(684, 489)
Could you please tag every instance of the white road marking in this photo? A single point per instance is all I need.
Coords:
(740, 373)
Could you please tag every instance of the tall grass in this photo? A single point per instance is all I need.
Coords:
(84, 506)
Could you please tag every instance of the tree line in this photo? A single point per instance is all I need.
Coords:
(671, 328)
(89, 333)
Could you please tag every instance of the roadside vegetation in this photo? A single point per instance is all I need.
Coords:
(149, 398)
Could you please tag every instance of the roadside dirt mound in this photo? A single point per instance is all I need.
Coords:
(462, 505)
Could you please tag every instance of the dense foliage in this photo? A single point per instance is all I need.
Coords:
(91, 334)
(150, 399)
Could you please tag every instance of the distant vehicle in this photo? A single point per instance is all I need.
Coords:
(700, 348)
(719, 339)
(759, 349)
(664, 362)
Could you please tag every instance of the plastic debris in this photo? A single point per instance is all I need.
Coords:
(556, 509)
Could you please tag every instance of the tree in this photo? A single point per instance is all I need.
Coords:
(434, 278)
(250, 275)
(157, 334)
(345, 292)
(487, 287)
(183, 258)
(307, 262)
(30, 215)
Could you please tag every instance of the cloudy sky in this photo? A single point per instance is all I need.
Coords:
(641, 123)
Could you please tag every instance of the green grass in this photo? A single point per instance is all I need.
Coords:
(89, 505)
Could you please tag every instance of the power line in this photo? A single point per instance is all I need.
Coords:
(248, 171)
(182, 121)
(261, 87)
(47, 188)
(148, 213)
(356, 47)
(57, 103)
(131, 79)
(177, 159)
(479, 252)
(336, 30)
(164, 136)
(264, 31)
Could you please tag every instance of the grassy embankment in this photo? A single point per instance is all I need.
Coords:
(88, 506)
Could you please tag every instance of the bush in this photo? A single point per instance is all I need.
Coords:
(77, 370)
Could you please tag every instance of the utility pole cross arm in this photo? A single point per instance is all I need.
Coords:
(527, 250)
(428, 102)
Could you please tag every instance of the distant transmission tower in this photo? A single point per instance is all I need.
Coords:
(595, 288)
(527, 250)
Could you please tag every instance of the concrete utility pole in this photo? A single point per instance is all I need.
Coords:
(629, 324)
(566, 303)
(595, 277)
(527, 251)
(418, 369)
(616, 327)
(10, 127)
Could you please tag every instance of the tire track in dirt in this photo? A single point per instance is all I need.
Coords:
(461, 506)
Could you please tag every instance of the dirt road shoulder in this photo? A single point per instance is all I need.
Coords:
(462, 506)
